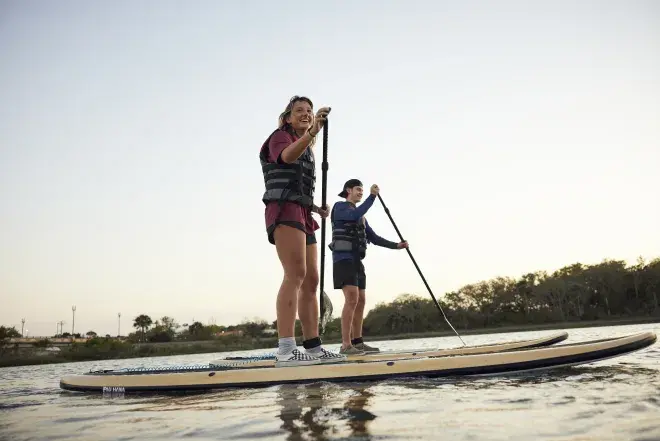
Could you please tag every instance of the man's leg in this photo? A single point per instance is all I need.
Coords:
(358, 319)
(348, 314)
(345, 278)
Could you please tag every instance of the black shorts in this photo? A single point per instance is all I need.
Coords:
(310, 239)
(349, 272)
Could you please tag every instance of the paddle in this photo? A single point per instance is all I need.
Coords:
(326, 311)
(387, 210)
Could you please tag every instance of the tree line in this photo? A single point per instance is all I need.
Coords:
(607, 290)
(610, 289)
(167, 329)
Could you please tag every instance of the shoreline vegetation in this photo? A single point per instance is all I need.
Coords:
(610, 293)
(36, 356)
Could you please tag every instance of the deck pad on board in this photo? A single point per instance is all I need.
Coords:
(266, 360)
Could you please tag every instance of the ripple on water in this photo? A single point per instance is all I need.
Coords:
(19, 405)
(615, 399)
(655, 401)
(564, 401)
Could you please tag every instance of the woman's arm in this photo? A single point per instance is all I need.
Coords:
(282, 142)
(294, 150)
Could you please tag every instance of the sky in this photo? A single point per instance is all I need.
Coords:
(506, 137)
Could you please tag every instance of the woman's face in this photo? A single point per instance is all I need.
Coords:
(301, 116)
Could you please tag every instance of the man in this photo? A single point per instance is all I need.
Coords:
(350, 234)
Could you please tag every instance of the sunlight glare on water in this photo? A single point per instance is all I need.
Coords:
(617, 399)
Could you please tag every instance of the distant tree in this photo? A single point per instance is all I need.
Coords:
(163, 330)
(170, 325)
(254, 328)
(91, 334)
(197, 331)
(333, 327)
(142, 322)
(195, 328)
(7, 333)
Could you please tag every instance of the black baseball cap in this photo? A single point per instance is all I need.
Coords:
(350, 184)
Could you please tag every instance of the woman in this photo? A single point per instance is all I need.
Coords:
(287, 162)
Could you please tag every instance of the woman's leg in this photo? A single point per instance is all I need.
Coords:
(308, 308)
(290, 245)
(307, 300)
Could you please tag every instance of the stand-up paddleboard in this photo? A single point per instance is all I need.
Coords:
(209, 377)
(269, 359)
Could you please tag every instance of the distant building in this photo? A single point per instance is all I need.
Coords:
(236, 332)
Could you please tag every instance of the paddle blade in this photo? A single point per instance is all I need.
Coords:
(327, 313)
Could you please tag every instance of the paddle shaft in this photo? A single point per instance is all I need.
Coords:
(324, 181)
(387, 211)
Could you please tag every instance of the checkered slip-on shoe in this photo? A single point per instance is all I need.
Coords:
(295, 358)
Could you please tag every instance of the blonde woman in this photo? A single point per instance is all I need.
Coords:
(289, 169)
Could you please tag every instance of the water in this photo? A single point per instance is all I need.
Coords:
(617, 399)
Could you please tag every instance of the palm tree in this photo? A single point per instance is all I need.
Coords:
(142, 322)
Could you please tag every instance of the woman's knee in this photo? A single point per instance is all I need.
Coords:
(311, 282)
(296, 272)
(290, 244)
(295, 269)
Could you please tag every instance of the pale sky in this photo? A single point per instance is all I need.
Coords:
(506, 137)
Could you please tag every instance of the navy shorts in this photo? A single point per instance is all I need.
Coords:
(349, 272)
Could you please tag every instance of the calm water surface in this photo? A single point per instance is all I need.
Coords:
(616, 399)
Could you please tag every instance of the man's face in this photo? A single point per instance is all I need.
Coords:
(354, 194)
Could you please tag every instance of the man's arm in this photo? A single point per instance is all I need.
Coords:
(377, 240)
(346, 212)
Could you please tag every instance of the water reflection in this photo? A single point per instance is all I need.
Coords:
(622, 372)
(319, 411)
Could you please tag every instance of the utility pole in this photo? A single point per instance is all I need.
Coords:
(22, 326)
(73, 323)
(61, 327)
(118, 324)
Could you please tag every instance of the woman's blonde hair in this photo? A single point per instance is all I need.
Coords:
(283, 125)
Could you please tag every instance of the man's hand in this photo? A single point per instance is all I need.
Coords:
(401, 245)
